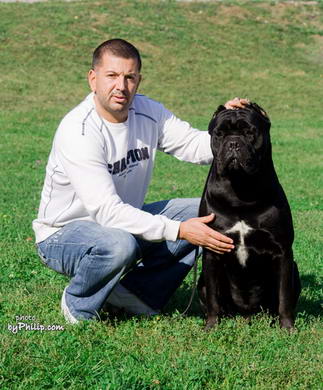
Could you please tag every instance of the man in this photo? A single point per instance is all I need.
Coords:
(92, 223)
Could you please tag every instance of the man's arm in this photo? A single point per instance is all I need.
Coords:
(180, 139)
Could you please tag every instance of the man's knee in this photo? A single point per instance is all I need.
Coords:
(189, 207)
(118, 247)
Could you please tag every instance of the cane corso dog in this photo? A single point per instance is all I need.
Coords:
(243, 191)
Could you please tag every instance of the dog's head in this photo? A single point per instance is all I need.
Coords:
(240, 139)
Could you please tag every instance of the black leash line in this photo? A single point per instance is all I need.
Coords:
(194, 282)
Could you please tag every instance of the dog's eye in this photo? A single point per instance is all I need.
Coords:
(219, 133)
(250, 133)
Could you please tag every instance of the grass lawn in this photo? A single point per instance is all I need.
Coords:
(196, 55)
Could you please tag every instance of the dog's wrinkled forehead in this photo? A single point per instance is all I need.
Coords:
(251, 115)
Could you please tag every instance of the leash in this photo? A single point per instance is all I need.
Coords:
(194, 282)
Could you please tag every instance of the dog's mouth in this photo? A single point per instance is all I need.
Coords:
(234, 164)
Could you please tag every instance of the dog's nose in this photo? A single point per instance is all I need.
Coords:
(233, 145)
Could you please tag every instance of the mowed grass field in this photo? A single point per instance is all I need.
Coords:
(195, 56)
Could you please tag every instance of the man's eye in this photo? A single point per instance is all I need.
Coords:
(111, 76)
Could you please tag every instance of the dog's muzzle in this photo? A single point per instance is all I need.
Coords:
(237, 155)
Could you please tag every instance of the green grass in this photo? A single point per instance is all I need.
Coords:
(195, 56)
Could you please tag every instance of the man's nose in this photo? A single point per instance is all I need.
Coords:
(121, 83)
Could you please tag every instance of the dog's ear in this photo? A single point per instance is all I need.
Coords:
(212, 122)
(219, 109)
(259, 110)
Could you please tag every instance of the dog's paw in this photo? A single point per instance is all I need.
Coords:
(288, 324)
(211, 323)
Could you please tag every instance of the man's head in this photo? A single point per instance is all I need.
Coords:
(114, 78)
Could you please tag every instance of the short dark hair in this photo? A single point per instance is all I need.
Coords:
(118, 47)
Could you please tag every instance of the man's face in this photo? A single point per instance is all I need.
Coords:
(114, 81)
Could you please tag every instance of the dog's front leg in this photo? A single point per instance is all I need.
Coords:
(289, 289)
(212, 273)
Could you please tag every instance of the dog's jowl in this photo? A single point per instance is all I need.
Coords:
(244, 193)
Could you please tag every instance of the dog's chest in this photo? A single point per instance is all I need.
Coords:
(243, 230)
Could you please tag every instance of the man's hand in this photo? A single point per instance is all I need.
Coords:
(196, 232)
(236, 103)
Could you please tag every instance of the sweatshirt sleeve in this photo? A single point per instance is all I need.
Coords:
(178, 138)
(83, 160)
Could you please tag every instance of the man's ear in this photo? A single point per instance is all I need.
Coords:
(139, 81)
(91, 77)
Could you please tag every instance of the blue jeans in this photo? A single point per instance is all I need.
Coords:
(97, 257)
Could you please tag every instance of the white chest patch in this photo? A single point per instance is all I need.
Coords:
(243, 229)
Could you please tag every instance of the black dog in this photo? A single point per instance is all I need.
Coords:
(250, 206)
